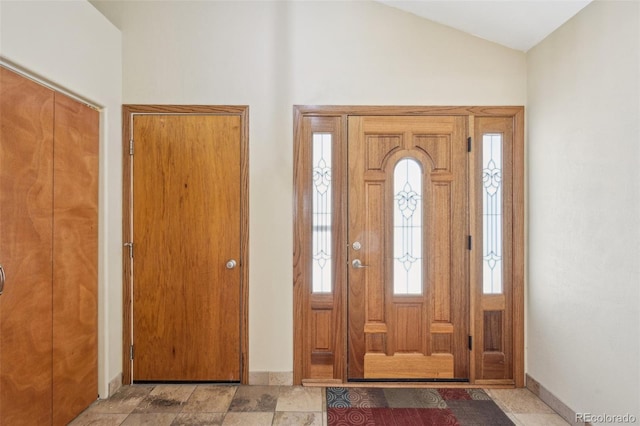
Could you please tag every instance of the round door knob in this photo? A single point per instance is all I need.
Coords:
(231, 264)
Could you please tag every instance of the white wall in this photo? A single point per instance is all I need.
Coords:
(70, 44)
(272, 55)
(583, 319)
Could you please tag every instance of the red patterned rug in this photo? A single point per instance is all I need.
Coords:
(409, 407)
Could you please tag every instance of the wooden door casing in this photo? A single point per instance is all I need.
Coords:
(408, 336)
(187, 198)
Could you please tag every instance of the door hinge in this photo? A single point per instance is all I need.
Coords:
(469, 144)
(131, 352)
(469, 242)
(130, 146)
(130, 245)
(470, 343)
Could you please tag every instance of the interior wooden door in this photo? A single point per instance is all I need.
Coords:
(186, 231)
(26, 197)
(407, 230)
(75, 258)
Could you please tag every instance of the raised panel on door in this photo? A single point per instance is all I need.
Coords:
(186, 227)
(75, 259)
(417, 331)
(26, 176)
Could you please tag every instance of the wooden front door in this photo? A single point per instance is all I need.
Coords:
(407, 232)
(187, 291)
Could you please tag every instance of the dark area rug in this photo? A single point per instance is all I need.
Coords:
(409, 407)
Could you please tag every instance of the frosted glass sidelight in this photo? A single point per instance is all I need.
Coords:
(492, 213)
(321, 240)
(407, 228)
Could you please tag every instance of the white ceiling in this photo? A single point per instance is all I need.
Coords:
(518, 24)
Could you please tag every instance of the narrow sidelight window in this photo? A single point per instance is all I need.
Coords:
(407, 227)
(322, 213)
(492, 213)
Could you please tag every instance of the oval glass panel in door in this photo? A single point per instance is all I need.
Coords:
(407, 227)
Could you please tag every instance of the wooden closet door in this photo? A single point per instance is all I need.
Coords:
(187, 231)
(75, 258)
(26, 172)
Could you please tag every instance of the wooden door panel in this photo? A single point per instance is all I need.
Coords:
(186, 303)
(26, 177)
(414, 335)
(440, 259)
(75, 259)
(493, 325)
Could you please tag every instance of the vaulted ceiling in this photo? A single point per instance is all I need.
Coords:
(518, 24)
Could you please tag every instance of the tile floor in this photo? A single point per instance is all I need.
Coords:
(161, 405)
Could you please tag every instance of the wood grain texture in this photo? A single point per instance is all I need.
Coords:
(439, 144)
(26, 188)
(473, 306)
(243, 258)
(186, 227)
(307, 304)
(492, 364)
(519, 243)
(75, 259)
(366, 110)
(408, 366)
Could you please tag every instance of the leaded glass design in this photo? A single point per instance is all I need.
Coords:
(321, 240)
(407, 227)
(492, 213)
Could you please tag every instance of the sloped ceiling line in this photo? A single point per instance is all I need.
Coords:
(518, 24)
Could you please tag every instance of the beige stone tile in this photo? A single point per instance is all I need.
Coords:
(210, 399)
(115, 384)
(280, 379)
(98, 419)
(198, 419)
(259, 378)
(519, 401)
(165, 399)
(298, 398)
(255, 398)
(290, 418)
(151, 419)
(539, 420)
(122, 402)
(246, 419)
(324, 401)
(515, 421)
(496, 400)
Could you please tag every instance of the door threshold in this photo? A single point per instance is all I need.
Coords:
(185, 382)
(403, 384)
(409, 380)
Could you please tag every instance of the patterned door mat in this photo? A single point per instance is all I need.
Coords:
(408, 407)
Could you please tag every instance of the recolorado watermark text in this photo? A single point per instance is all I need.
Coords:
(605, 418)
